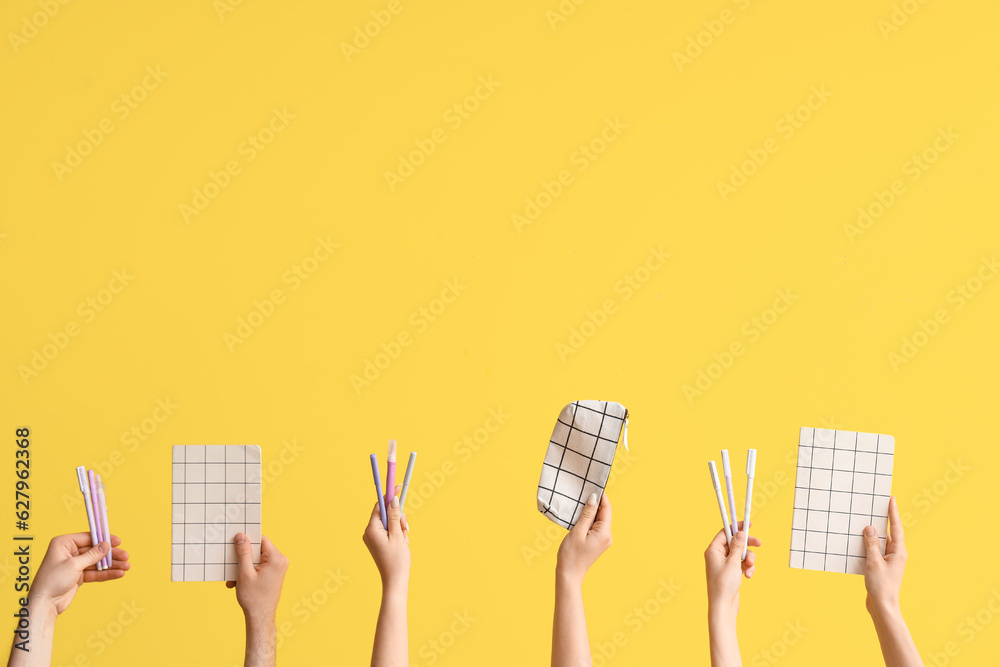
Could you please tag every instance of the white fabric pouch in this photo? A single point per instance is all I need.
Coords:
(578, 461)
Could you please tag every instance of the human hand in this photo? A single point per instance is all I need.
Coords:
(258, 587)
(884, 574)
(586, 541)
(390, 549)
(71, 561)
(724, 569)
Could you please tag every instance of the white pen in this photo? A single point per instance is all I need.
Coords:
(81, 473)
(728, 473)
(751, 467)
(722, 503)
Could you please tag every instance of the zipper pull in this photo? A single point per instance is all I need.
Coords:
(626, 431)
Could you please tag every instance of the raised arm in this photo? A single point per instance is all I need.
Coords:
(390, 549)
(588, 539)
(883, 581)
(258, 589)
(724, 572)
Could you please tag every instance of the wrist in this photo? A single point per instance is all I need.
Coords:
(884, 609)
(261, 621)
(722, 614)
(42, 609)
(396, 586)
(568, 578)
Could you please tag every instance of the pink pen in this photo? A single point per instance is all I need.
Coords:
(102, 518)
(390, 473)
(97, 514)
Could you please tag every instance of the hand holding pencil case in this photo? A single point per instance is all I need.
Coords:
(579, 458)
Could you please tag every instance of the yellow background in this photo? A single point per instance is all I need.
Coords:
(824, 362)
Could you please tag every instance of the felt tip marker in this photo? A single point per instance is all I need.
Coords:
(81, 474)
(406, 479)
(751, 469)
(722, 503)
(390, 473)
(378, 491)
(727, 472)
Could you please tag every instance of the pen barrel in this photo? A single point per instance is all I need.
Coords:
(722, 511)
(746, 515)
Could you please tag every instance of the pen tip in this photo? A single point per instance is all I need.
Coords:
(392, 450)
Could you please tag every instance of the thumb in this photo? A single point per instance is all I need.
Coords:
(244, 555)
(871, 543)
(736, 546)
(91, 556)
(586, 518)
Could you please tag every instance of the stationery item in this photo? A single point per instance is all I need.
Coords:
(751, 469)
(378, 491)
(102, 517)
(722, 504)
(727, 471)
(579, 457)
(842, 484)
(390, 473)
(216, 494)
(81, 474)
(406, 479)
(97, 512)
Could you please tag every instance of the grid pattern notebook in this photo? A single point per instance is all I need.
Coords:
(216, 494)
(578, 460)
(842, 484)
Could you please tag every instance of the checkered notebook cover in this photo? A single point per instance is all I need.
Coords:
(842, 484)
(216, 494)
(578, 460)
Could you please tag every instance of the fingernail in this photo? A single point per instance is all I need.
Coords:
(102, 548)
(749, 573)
(395, 502)
(592, 500)
(869, 531)
(240, 538)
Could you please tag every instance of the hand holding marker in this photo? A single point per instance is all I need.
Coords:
(730, 529)
(384, 498)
